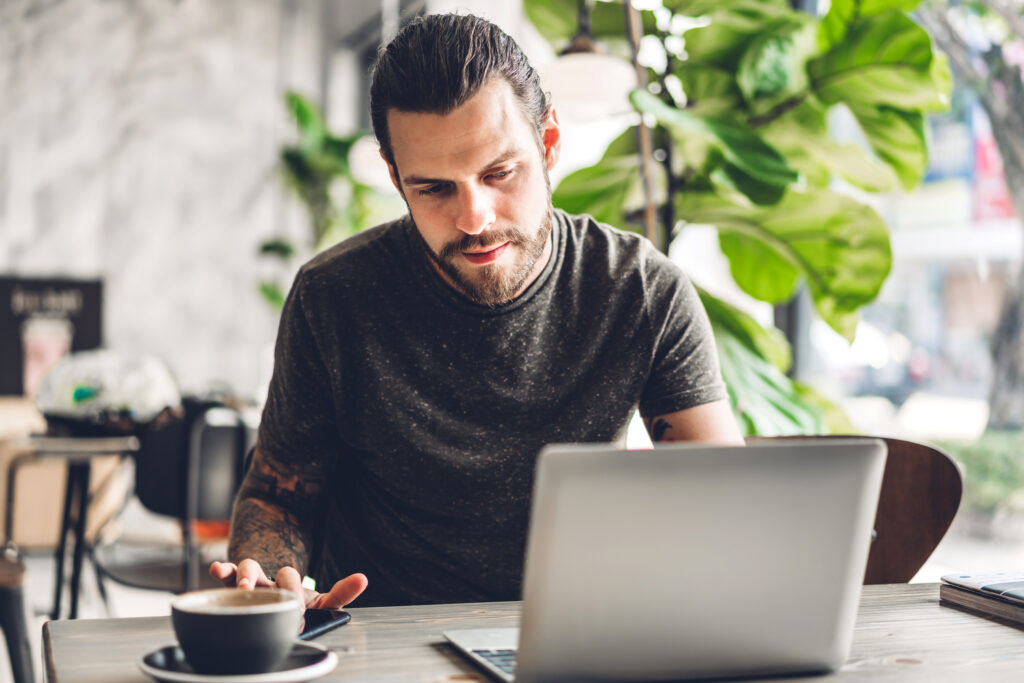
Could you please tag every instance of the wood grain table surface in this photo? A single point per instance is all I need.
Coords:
(902, 634)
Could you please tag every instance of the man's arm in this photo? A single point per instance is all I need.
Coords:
(709, 422)
(272, 533)
(272, 521)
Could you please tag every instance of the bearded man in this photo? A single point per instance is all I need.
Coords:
(422, 365)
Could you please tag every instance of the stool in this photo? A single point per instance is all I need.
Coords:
(12, 617)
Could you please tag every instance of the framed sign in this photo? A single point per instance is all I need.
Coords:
(41, 320)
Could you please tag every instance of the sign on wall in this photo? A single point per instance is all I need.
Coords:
(41, 320)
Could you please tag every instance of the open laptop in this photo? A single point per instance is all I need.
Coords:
(690, 561)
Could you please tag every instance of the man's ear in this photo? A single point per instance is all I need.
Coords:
(393, 173)
(552, 138)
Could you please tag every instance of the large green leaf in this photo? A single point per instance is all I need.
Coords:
(709, 90)
(802, 137)
(884, 60)
(735, 179)
(558, 20)
(772, 68)
(608, 189)
(841, 13)
(732, 25)
(840, 246)
(740, 146)
(764, 399)
(757, 268)
(898, 138)
(769, 343)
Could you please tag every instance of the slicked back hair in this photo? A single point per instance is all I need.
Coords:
(438, 62)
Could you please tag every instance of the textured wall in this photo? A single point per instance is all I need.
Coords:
(138, 142)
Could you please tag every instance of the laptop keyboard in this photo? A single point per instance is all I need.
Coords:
(503, 660)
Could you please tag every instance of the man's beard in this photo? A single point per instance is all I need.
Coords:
(494, 285)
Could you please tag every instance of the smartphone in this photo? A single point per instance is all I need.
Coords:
(319, 621)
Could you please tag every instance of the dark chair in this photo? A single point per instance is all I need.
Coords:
(189, 467)
(12, 617)
(921, 491)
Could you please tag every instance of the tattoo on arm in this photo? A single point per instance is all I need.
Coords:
(272, 518)
(658, 429)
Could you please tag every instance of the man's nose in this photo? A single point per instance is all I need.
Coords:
(475, 211)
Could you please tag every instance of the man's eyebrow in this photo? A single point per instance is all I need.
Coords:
(498, 160)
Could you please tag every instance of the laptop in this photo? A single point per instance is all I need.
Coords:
(690, 561)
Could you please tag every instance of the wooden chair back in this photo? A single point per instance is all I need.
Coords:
(921, 491)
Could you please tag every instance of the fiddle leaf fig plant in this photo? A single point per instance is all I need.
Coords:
(316, 168)
(739, 102)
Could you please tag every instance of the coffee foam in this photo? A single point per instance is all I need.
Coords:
(237, 601)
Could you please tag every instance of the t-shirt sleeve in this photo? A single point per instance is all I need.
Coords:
(684, 363)
(298, 426)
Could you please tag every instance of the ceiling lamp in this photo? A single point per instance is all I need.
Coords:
(585, 82)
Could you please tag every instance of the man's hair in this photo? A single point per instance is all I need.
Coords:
(438, 62)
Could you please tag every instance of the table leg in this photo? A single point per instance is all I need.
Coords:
(83, 470)
(62, 543)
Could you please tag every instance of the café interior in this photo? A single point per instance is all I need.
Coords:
(157, 199)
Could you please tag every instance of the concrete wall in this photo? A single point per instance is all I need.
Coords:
(138, 143)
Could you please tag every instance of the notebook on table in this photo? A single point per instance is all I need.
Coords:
(690, 561)
(990, 594)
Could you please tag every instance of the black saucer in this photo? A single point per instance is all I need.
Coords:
(305, 662)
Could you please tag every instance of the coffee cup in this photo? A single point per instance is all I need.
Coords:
(235, 631)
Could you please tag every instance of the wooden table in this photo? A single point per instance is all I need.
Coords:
(902, 634)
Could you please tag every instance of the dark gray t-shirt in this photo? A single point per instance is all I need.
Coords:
(426, 412)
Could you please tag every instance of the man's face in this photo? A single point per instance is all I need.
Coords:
(476, 184)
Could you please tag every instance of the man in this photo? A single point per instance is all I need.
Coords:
(423, 364)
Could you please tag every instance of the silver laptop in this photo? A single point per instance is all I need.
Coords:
(690, 561)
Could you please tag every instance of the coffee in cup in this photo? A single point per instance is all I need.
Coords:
(236, 631)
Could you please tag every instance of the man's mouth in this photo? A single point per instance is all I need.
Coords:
(480, 258)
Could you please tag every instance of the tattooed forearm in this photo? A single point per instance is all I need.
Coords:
(659, 428)
(272, 518)
(264, 533)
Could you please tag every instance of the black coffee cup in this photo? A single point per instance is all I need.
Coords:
(235, 631)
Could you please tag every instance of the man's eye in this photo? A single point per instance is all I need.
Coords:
(433, 189)
(499, 175)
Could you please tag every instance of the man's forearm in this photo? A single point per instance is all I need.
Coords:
(272, 521)
(265, 533)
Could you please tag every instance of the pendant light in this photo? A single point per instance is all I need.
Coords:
(585, 82)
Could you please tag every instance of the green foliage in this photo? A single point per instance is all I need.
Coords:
(603, 190)
(765, 399)
(557, 21)
(741, 114)
(746, 158)
(839, 246)
(884, 60)
(316, 168)
(843, 13)
(993, 469)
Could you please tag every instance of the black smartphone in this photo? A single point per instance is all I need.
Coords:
(319, 621)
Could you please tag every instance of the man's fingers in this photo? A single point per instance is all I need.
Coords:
(342, 593)
(249, 575)
(289, 579)
(224, 572)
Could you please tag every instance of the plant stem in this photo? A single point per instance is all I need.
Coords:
(673, 183)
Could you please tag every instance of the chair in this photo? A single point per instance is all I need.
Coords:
(12, 617)
(189, 467)
(921, 491)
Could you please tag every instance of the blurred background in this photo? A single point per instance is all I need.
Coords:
(167, 165)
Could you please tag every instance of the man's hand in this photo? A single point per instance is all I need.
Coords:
(248, 574)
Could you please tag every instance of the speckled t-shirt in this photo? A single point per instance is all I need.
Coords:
(428, 411)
